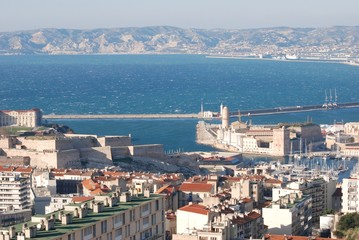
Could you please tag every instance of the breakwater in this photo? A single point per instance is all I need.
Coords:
(282, 110)
(120, 116)
(256, 112)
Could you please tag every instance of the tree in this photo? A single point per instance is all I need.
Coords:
(350, 220)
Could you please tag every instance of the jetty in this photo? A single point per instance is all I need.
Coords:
(255, 112)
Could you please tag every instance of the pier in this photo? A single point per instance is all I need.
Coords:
(256, 112)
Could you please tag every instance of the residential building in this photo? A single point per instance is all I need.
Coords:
(113, 216)
(321, 190)
(350, 191)
(290, 214)
(14, 192)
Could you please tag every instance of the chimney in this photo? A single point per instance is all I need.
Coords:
(98, 207)
(49, 224)
(30, 232)
(60, 216)
(146, 193)
(12, 232)
(76, 212)
(66, 219)
(20, 236)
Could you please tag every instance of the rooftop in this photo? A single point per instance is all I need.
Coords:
(89, 220)
(195, 208)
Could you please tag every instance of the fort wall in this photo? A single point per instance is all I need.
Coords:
(120, 152)
(151, 150)
(114, 141)
(96, 153)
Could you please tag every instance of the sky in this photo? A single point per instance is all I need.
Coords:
(207, 14)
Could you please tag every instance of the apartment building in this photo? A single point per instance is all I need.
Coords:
(290, 214)
(321, 190)
(14, 192)
(116, 216)
(350, 191)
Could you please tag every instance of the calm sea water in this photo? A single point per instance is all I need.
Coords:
(170, 84)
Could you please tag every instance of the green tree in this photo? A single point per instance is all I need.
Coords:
(350, 220)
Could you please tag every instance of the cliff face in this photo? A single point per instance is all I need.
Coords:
(164, 39)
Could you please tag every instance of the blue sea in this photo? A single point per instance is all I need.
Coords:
(100, 84)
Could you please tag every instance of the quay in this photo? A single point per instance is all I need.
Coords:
(256, 112)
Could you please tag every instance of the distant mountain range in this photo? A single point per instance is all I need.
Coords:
(165, 39)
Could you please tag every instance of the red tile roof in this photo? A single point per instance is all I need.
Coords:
(196, 187)
(90, 185)
(273, 181)
(195, 208)
(80, 199)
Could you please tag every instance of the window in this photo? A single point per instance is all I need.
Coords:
(118, 234)
(145, 210)
(157, 205)
(119, 220)
(104, 226)
(146, 222)
(94, 230)
(153, 219)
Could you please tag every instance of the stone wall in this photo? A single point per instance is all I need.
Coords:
(120, 152)
(81, 141)
(45, 143)
(98, 153)
(115, 141)
(68, 158)
(152, 150)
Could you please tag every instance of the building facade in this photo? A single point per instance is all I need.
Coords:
(22, 118)
(290, 214)
(14, 192)
(118, 216)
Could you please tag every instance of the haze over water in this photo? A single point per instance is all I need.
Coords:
(170, 84)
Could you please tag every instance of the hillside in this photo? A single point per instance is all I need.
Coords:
(165, 39)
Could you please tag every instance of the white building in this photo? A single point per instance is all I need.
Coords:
(321, 191)
(192, 217)
(289, 215)
(350, 195)
(14, 192)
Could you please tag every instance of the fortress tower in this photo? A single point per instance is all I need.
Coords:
(225, 118)
(281, 142)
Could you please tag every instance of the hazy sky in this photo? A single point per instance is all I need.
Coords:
(231, 14)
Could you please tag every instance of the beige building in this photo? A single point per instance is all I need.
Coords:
(116, 216)
(23, 118)
(275, 140)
